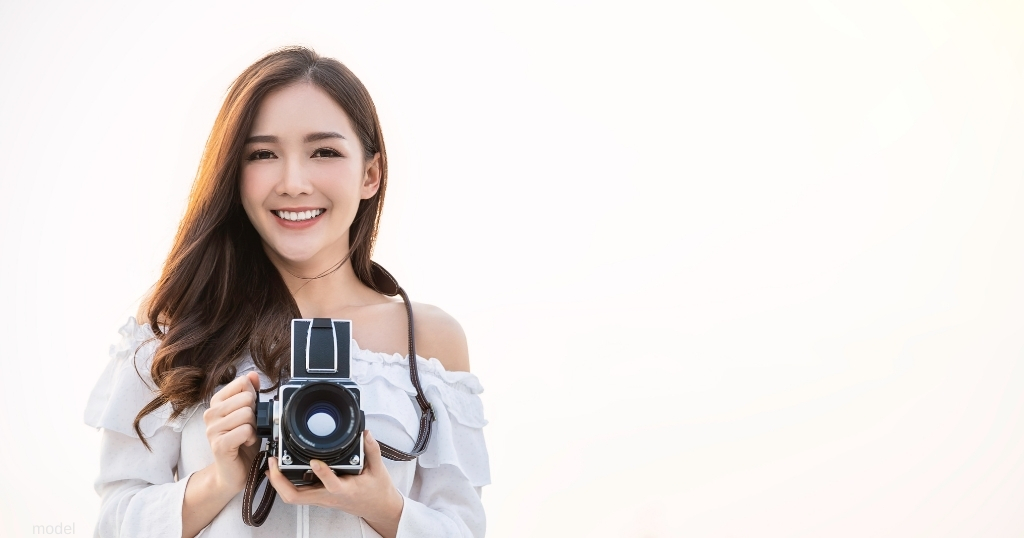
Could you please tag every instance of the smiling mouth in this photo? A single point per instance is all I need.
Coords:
(300, 215)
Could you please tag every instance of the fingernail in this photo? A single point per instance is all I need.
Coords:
(315, 465)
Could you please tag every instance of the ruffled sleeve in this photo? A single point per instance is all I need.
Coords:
(445, 496)
(120, 393)
(141, 494)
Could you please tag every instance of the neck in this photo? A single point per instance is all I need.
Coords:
(323, 297)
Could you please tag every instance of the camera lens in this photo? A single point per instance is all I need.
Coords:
(321, 420)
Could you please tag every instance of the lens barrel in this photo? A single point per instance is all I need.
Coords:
(321, 420)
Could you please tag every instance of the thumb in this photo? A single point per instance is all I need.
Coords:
(374, 460)
(254, 378)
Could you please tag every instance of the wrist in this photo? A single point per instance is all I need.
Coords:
(219, 485)
(204, 498)
(389, 515)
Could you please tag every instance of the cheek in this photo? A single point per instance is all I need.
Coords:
(339, 183)
(252, 192)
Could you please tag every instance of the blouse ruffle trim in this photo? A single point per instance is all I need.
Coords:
(456, 434)
(120, 393)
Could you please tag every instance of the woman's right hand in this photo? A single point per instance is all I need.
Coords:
(231, 431)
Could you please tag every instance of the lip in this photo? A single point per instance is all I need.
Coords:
(293, 225)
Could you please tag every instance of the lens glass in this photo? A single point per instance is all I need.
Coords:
(322, 419)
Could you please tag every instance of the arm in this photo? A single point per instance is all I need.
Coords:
(446, 505)
(139, 497)
(447, 495)
(141, 493)
(231, 430)
(204, 498)
(445, 498)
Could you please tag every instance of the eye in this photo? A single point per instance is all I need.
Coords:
(325, 152)
(261, 154)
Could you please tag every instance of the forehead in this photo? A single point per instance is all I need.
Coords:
(299, 109)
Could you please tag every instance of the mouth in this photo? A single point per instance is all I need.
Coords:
(299, 216)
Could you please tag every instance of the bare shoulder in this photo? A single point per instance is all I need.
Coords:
(440, 336)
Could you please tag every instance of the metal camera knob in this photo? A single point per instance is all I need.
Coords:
(354, 460)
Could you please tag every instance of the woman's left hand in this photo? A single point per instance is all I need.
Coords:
(370, 495)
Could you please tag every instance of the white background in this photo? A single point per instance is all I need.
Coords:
(732, 268)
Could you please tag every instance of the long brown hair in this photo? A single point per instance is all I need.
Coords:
(219, 294)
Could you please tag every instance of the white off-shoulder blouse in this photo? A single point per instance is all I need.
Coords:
(142, 492)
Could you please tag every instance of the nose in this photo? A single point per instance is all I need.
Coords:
(293, 181)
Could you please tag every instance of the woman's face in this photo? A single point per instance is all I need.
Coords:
(302, 176)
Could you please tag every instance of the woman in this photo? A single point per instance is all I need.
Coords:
(281, 224)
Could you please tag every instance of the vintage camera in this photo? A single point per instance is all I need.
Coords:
(316, 414)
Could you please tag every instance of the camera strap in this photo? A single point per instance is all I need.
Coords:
(384, 284)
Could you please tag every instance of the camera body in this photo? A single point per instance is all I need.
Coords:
(316, 413)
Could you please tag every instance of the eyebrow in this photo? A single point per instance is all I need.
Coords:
(311, 137)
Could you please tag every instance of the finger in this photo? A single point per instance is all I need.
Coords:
(292, 494)
(254, 380)
(239, 384)
(238, 417)
(331, 482)
(310, 487)
(374, 459)
(214, 417)
(284, 487)
(230, 441)
(252, 439)
(239, 400)
(228, 405)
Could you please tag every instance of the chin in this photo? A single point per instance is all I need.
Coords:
(295, 256)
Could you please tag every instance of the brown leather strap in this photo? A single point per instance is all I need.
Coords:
(426, 411)
(385, 284)
(252, 483)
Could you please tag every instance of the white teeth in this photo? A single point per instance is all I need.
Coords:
(300, 216)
